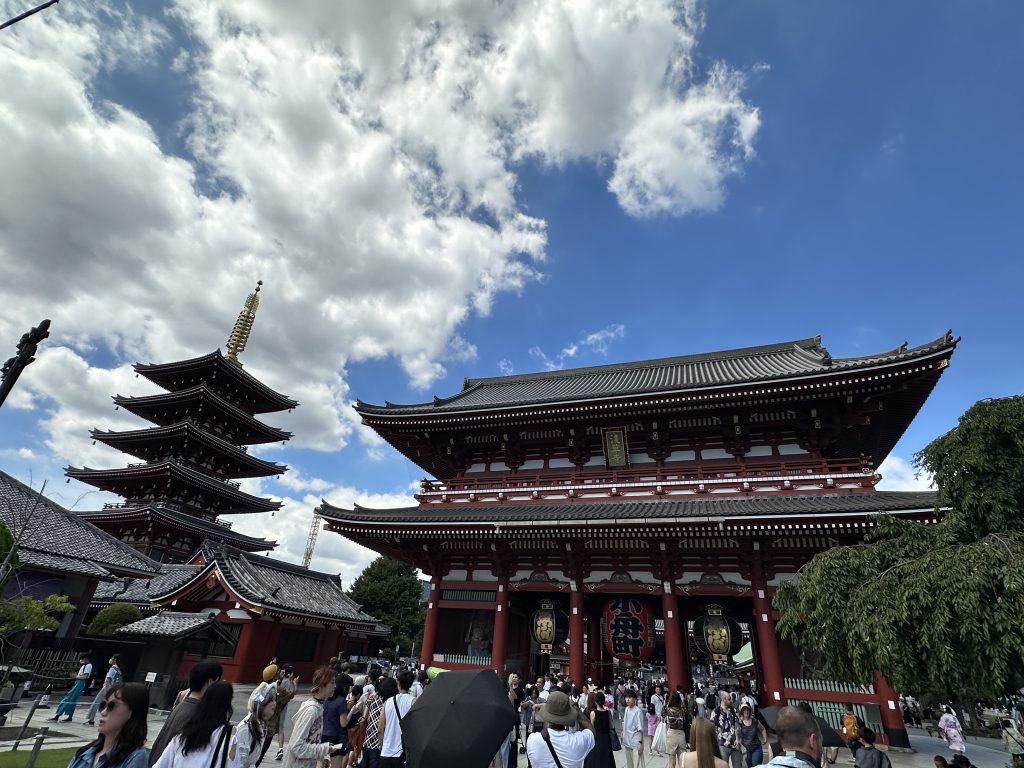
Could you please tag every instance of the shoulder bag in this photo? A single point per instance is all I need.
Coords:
(222, 747)
(547, 740)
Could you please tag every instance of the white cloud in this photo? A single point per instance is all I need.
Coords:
(505, 366)
(369, 160)
(290, 526)
(597, 342)
(898, 474)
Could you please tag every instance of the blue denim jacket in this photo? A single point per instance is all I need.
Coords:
(137, 759)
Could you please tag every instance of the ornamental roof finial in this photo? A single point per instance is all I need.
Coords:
(243, 325)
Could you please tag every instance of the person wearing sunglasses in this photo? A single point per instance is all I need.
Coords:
(122, 731)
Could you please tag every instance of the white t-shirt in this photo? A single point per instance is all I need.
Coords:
(171, 757)
(85, 670)
(542, 695)
(570, 746)
(392, 744)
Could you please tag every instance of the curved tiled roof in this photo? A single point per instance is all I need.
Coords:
(787, 360)
(142, 591)
(173, 624)
(153, 408)
(688, 510)
(206, 528)
(277, 585)
(263, 398)
(54, 538)
(168, 471)
(246, 465)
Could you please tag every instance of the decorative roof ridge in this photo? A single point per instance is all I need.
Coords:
(227, 550)
(810, 344)
(945, 339)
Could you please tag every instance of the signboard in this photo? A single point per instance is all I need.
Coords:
(151, 677)
(616, 448)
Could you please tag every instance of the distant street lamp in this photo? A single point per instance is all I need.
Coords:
(25, 356)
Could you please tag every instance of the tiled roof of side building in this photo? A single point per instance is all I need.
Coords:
(54, 538)
(141, 591)
(688, 510)
(284, 586)
(168, 624)
(791, 359)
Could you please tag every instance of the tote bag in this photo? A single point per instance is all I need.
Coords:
(659, 743)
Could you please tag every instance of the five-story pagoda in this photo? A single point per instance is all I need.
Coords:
(194, 454)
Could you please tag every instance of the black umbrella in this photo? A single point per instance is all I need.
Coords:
(829, 737)
(461, 719)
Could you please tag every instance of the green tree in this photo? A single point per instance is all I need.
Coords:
(8, 556)
(29, 614)
(113, 617)
(390, 591)
(936, 607)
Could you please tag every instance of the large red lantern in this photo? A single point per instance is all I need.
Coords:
(629, 629)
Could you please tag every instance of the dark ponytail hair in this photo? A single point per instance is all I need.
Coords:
(135, 696)
(213, 712)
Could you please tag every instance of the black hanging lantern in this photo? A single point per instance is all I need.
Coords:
(548, 626)
(717, 635)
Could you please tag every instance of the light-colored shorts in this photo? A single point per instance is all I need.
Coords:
(675, 741)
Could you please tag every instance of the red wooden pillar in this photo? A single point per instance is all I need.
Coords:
(430, 624)
(499, 648)
(673, 644)
(767, 648)
(576, 633)
(595, 669)
(243, 650)
(892, 718)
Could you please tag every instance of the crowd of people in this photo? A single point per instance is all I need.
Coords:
(357, 723)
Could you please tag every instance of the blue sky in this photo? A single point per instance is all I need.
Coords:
(845, 169)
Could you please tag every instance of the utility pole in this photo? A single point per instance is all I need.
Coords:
(25, 356)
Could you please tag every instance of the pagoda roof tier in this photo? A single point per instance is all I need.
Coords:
(703, 510)
(168, 483)
(220, 374)
(178, 521)
(236, 425)
(769, 364)
(185, 439)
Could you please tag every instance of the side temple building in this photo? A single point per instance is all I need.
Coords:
(684, 489)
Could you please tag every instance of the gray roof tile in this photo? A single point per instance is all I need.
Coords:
(597, 511)
(56, 539)
(791, 359)
(168, 624)
(142, 591)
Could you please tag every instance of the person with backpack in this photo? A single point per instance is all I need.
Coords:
(867, 755)
(110, 681)
(851, 729)
(392, 750)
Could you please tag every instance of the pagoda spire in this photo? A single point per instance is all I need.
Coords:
(243, 325)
